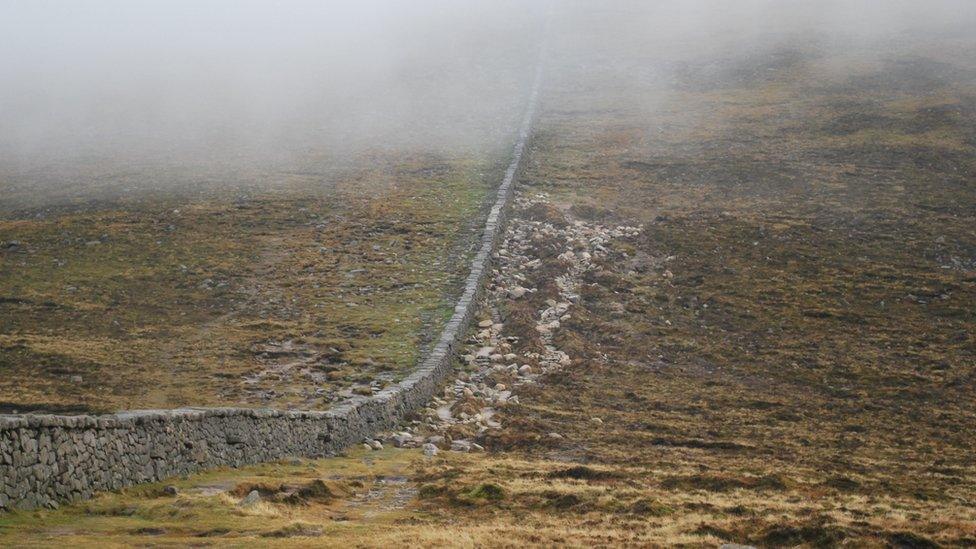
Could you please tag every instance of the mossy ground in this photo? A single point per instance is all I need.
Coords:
(251, 299)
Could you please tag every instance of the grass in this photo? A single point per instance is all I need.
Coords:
(398, 496)
(300, 500)
(783, 357)
(786, 350)
(235, 300)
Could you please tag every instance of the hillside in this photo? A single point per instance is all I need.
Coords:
(735, 303)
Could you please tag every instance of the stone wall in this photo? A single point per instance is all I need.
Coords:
(46, 460)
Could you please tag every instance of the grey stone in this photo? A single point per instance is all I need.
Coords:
(516, 292)
(460, 446)
(253, 498)
(401, 441)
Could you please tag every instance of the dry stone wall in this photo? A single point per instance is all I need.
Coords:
(46, 460)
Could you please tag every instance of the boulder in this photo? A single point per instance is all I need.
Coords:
(253, 498)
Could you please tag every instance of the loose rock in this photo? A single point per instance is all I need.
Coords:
(251, 499)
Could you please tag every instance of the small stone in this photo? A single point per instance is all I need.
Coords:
(500, 387)
(460, 446)
(76, 379)
(525, 370)
(485, 352)
(375, 445)
(510, 357)
(556, 436)
(253, 498)
(402, 440)
(516, 292)
(467, 392)
(430, 450)
(596, 421)
(485, 323)
(171, 490)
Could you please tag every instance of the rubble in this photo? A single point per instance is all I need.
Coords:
(470, 402)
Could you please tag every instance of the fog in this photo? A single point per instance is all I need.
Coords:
(203, 92)
(214, 90)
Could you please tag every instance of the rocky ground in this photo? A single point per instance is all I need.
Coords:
(290, 299)
(497, 363)
(563, 434)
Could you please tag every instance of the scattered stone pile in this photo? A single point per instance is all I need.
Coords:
(493, 372)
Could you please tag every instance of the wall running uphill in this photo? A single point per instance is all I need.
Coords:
(46, 460)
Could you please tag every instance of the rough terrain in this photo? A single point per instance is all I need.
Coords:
(284, 299)
(740, 309)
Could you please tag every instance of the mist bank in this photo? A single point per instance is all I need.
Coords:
(145, 95)
(225, 90)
